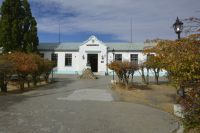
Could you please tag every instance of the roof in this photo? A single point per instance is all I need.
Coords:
(59, 47)
(75, 46)
(128, 46)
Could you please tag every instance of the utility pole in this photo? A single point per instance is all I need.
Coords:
(59, 33)
(131, 30)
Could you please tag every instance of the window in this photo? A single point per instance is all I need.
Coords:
(134, 58)
(54, 58)
(118, 57)
(68, 59)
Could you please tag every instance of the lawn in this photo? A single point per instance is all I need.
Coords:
(158, 96)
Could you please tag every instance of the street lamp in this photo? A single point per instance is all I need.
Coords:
(113, 52)
(178, 27)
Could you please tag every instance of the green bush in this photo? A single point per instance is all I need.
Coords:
(6, 69)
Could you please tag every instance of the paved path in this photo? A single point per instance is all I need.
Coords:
(79, 106)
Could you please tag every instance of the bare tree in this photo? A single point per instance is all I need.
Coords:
(192, 25)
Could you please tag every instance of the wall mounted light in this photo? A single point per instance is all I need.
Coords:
(102, 57)
(83, 57)
(113, 52)
(93, 40)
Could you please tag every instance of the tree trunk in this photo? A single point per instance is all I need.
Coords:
(1, 81)
(3, 84)
(28, 84)
(143, 76)
(21, 78)
(156, 73)
(28, 81)
(132, 74)
(34, 79)
(126, 83)
(46, 77)
(22, 85)
(127, 80)
(4, 88)
(156, 78)
(147, 81)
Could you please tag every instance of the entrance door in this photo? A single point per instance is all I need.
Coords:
(93, 62)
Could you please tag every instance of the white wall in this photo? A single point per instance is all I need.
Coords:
(93, 46)
(61, 68)
(126, 57)
(79, 64)
(47, 55)
(61, 62)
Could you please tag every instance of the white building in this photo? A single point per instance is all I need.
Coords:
(73, 58)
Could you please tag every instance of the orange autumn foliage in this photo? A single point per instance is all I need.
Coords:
(24, 62)
(30, 65)
(123, 69)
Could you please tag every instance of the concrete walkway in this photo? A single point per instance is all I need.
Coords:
(79, 106)
(89, 94)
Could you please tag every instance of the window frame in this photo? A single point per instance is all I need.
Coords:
(54, 58)
(133, 59)
(68, 59)
(117, 59)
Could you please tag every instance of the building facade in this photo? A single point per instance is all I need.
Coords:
(73, 58)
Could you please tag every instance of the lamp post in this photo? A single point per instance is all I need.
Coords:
(113, 52)
(178, 27)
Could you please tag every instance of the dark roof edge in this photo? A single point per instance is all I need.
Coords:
(54, 50)
(51, 50)
(126, 50)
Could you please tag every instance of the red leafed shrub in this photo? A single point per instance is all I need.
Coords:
(123, 70)
(24, 65)
(30, 64)
(23, 62)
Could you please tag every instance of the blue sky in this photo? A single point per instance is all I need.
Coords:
(109, 20)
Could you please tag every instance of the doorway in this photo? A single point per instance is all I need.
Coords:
(92, 61)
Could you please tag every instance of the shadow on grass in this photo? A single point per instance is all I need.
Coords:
(141, 87)
(133, 86)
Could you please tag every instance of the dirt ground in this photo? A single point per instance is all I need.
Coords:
(13, 87)
(158, 96)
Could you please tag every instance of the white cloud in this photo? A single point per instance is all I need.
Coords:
(151, 18)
